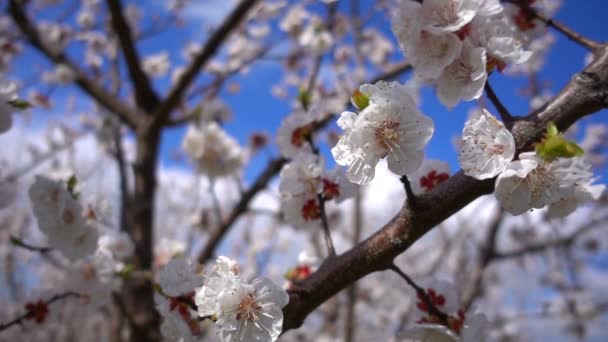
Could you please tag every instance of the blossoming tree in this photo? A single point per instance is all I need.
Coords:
(101, 242)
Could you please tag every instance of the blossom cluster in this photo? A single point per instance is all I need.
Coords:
(531, 182)
(454, 44)
(305, 183)
(212, 150)
(243, 311)
(62, 219)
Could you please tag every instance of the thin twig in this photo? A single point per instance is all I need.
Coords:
(506, 117)
(443, 317)
(574, 36)
(128, 115)
(211, 47)
(19, 319)
(20, 243)
(411, 197)
(331, 250)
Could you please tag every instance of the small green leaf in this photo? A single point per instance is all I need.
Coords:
(20, 104)
(304, 98)
(554, 146)
(197, 112)
(126, 271)
(360, 100)
(72, 182)
(552, 129)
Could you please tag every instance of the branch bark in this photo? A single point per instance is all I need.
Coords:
(128, 115)
(586, 93)
(211, 47)
(145, 96)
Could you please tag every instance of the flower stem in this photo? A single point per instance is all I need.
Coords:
(411, 198)
(443, 318)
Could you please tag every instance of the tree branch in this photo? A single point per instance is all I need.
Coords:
(574, 36)
(145, 96)
(211, 47)
(19, 319)
(586, 93)
(506, 117)
(129, 116)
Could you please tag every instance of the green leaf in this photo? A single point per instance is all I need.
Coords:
(304, 98)
(552, 129)
(72, 182)
(20, 104)
(554, 146)
(126, 271)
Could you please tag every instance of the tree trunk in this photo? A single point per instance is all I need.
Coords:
(138, 293)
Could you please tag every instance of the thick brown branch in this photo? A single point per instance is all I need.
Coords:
(585, 94)
(211, 47)
(95, 90)
(145, 96)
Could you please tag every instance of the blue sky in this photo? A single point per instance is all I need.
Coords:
(255, 109)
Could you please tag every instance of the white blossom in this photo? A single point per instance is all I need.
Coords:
(293, 132)
(390, 126)
(251, 312)
(500, 38)
(440, 16)
(179, 277)
(315, 38)
(429, 52)
(62, 74)
(532, 183)
(156, 65)
(61, 218)
(294, 20)
(489, 8)
(465, 78)
(302, 181)
(95, 277)
(223, 274)
(117, 243)
(214, 110)
(487, 147)
(212, 150)
(243, 311)
(584, 191)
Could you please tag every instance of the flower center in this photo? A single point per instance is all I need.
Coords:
(387, 134)
(538, 181)
(248, 308)
(495, 149)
